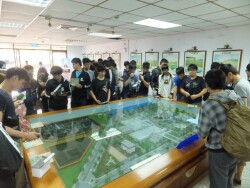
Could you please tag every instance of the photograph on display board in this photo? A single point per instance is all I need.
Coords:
(98, 56)
(90, 56)
(195, 57)
(117, 58)
(105, 56)
(153, 59)
(173, 60)
(138, 58)
(232, 57)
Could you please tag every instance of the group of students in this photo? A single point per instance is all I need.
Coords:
(99, 83)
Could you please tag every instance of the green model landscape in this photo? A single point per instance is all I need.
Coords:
(146, 129)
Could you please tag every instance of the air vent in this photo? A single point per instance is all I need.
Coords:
(117, 38)
(68, 27)
(74, 40)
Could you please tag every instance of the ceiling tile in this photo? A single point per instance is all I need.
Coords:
(17, 16)
(124, 6)
(150, 11)
(102, 12)
(231, 20)
(202, 9)
(189, 21)
(179, 4)
(247, 15)
(238, 23)
(59, 14)
(232, 3)
(23, 9)
(69, 6)
(90, 2)
(242, 10)
(171, 17)
(130, 18)
(150, 1)
(112, 23)
(202, 24)
(131, 26)
(87, 19)
(218, 15)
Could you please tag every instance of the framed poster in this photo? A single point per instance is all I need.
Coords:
(195, 57)
(138, 58)
(98, 56)
(117, 58)
(91, 57)
(173, 60)
(232, 57)
(152, 58)
(105, 56)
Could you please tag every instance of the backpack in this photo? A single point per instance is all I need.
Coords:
(236, 138)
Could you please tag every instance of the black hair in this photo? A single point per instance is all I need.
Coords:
(106, 63)
(179, 70)
(56, 70)
(112, 63)
(76, 60)
(215, 65)
(192, 67)
(16, 71)
(164, 66)
(85, 60)
(2, 77)
(100, 68)
(42, 72)
(163, 61)
(100, 60)
(248, 67)
(132, 66)
(145, 65)
(226, 68)
(215, 79)
(126, 63)
(28, 67)
(133, 62)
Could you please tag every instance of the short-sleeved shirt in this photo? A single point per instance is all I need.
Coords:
(130, 86)
(100, 88)
(193, 87)
(156, 72)
(143, 90)
(177, 83)
(7, 107)
(242, 88)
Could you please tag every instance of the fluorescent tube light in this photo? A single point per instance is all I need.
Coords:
(73, 28)
(10, 24)
(106, 35)
(37, 3)
(156, 23)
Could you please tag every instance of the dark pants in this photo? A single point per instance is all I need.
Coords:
(7, 180)
(221, 169)
(78, 102)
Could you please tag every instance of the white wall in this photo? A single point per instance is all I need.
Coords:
(236, 37)
(74, 51)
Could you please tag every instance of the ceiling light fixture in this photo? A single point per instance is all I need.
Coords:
(11, 24)
(37, 3)
(156, 23)
(106, 35)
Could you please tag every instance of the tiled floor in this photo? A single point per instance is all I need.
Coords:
(245, 179)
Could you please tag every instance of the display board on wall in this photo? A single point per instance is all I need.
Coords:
(173, 60)
(105, 56)
(138, 58)
(232, 57)
(117, 58)
(84, 56)
(152, 58)
(195, 57)
(98, 56)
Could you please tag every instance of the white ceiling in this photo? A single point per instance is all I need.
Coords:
(117, 15)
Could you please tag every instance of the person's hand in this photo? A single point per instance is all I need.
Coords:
(78, 86)
(193, 97)
(170, 97)
(31, 136)
(17, 103)
(43, 93)
(131, 75)
(141, 77)
(187, 94)
(53, 94)
(98, 102)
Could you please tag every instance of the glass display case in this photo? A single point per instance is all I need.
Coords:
(95, 145)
